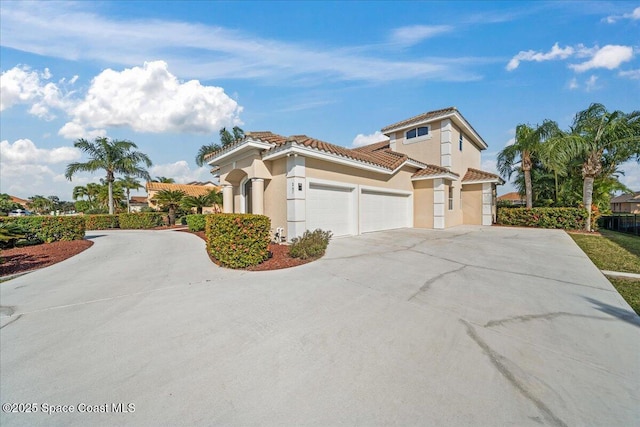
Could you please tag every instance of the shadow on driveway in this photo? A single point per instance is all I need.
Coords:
(622, 314)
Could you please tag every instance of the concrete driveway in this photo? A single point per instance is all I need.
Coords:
(470, 326)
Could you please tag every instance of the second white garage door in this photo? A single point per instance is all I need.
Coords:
(331, 207)
(380, 210)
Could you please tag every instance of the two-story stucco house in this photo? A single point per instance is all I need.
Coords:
(427, 175)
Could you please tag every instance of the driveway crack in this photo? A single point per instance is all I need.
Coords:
(544, 316)
(425, 287)
(498, 361)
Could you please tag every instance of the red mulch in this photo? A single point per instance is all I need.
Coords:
(279, 260)
(21, 260)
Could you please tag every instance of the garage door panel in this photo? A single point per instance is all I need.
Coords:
(382, 210)
(330, 208)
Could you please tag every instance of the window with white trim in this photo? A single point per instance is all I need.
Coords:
(417, 132)
(450, 197)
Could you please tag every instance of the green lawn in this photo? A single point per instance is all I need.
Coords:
(612, 251)
(615, 252)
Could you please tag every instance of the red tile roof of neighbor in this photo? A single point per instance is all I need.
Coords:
(420, 118)
(480, 175)
(18, 200)
(513, 196)
(138, 199)
(189, 190)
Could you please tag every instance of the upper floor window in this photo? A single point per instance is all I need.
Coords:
(460, 140)
(450, 198)
(416, 132)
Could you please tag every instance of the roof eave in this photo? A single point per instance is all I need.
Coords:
(498, 181)
(294, 148)
(449, 176)
(249, 143)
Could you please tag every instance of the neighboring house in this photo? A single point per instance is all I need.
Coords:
(24, 203)
(514, 198)
(137, 203)
(190, 190)
(626, 203)
(427, 175)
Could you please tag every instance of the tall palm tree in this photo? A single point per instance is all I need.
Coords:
(226, 138)
(112, 156)
(79, 192)
(170, 199)
(600, 140)
(129, 183)
(523, 152)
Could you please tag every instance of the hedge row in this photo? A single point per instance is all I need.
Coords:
(238, 240)
(565, 218)
(136, 221)
(196, 222)
(49, 228)
(140, 220)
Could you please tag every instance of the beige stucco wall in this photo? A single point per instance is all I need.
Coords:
(320, 169)
(423, 204)
(275, 193)
(249, 163)
(455, 216)
(472, 204)
(426, 150)
(469, 157)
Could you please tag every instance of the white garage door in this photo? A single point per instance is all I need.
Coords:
(331, 208)
(381, 210)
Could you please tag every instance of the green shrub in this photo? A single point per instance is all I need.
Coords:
(50, 228)
(140, 220)
(196, 222)
(102, 222)
(312, 244)
(238, 240)
(565, 218)
(10, 233)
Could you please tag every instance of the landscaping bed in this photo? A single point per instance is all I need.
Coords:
(280, 259)
(27, 258)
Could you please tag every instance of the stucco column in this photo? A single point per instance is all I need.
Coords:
(438, 203)
(227, 198)
(257, 196)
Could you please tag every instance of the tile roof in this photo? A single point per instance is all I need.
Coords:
(480, 175)
(19, 201)
(433, 170)
(420, 118)
(628, 197)
(513, 196)
(264, 136)
(138, 199)
(189, 190)
(377, 154)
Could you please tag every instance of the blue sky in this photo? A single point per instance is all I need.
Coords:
(168, 75)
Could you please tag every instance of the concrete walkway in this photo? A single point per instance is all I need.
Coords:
(470, 326)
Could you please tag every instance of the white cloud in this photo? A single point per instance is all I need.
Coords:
(609, 57)
(556, 52)
(631, 177)
(26, 170)
(361, 140)
(221, 52)
(24, 151)
(181, 172)
(151, 99)
(20, 85)
(414, 34)
(72, 130)
(573, 84)
(634, 16)
(591, 83)
(630, 74)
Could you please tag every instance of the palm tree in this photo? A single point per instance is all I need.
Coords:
(129, 183)
(226, 138)
(113, 156)
(199, 202)
(526, 148)
(600, 140)
(164, 180)
(170, 199)
(40, 204)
